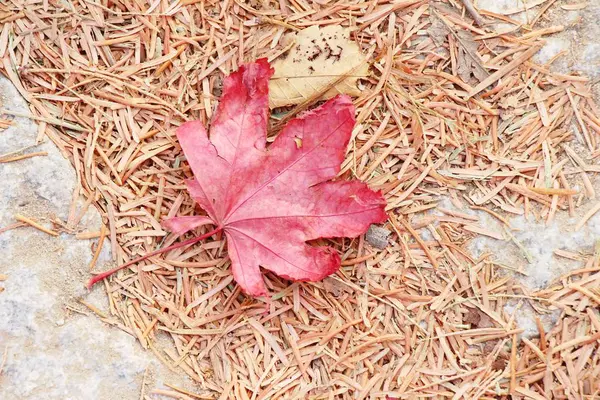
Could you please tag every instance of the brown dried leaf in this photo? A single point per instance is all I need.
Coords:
(319, 57)
(469, 62)
(437, 31)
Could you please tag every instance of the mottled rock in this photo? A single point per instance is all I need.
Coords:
(377, 236)
(52, 352)
(578, 40)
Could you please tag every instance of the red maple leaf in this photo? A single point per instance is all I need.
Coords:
(269, 201)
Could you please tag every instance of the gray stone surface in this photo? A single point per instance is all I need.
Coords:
(579, 39)
(52, 351)
(580, 48)
(377, 236)
(530, 256)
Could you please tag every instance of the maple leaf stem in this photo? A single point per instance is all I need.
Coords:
(188, 242)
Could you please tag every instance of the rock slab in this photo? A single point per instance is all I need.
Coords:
(53, 350)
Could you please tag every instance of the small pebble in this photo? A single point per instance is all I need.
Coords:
(377, 236)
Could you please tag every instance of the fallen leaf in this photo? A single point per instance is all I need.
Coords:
(469, 62)
(270, 201)
(319, 58)
(437, 31)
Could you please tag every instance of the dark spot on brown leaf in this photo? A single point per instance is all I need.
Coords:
(316, 53)
(336, 55)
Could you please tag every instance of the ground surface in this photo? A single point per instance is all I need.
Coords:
(577, 40)
(579, 48)
(55, 347)
(56, 353)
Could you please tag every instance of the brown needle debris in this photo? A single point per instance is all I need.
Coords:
(109, 81)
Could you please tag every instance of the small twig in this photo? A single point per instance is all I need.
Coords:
(34, 224)
(103, 232)
(587, 216)
(53, 121)
(23, 156)
(499, 74)
(108, 273)
(479, 20)
(417, 237)
(12, 226)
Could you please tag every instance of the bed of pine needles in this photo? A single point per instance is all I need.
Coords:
(451, 109)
